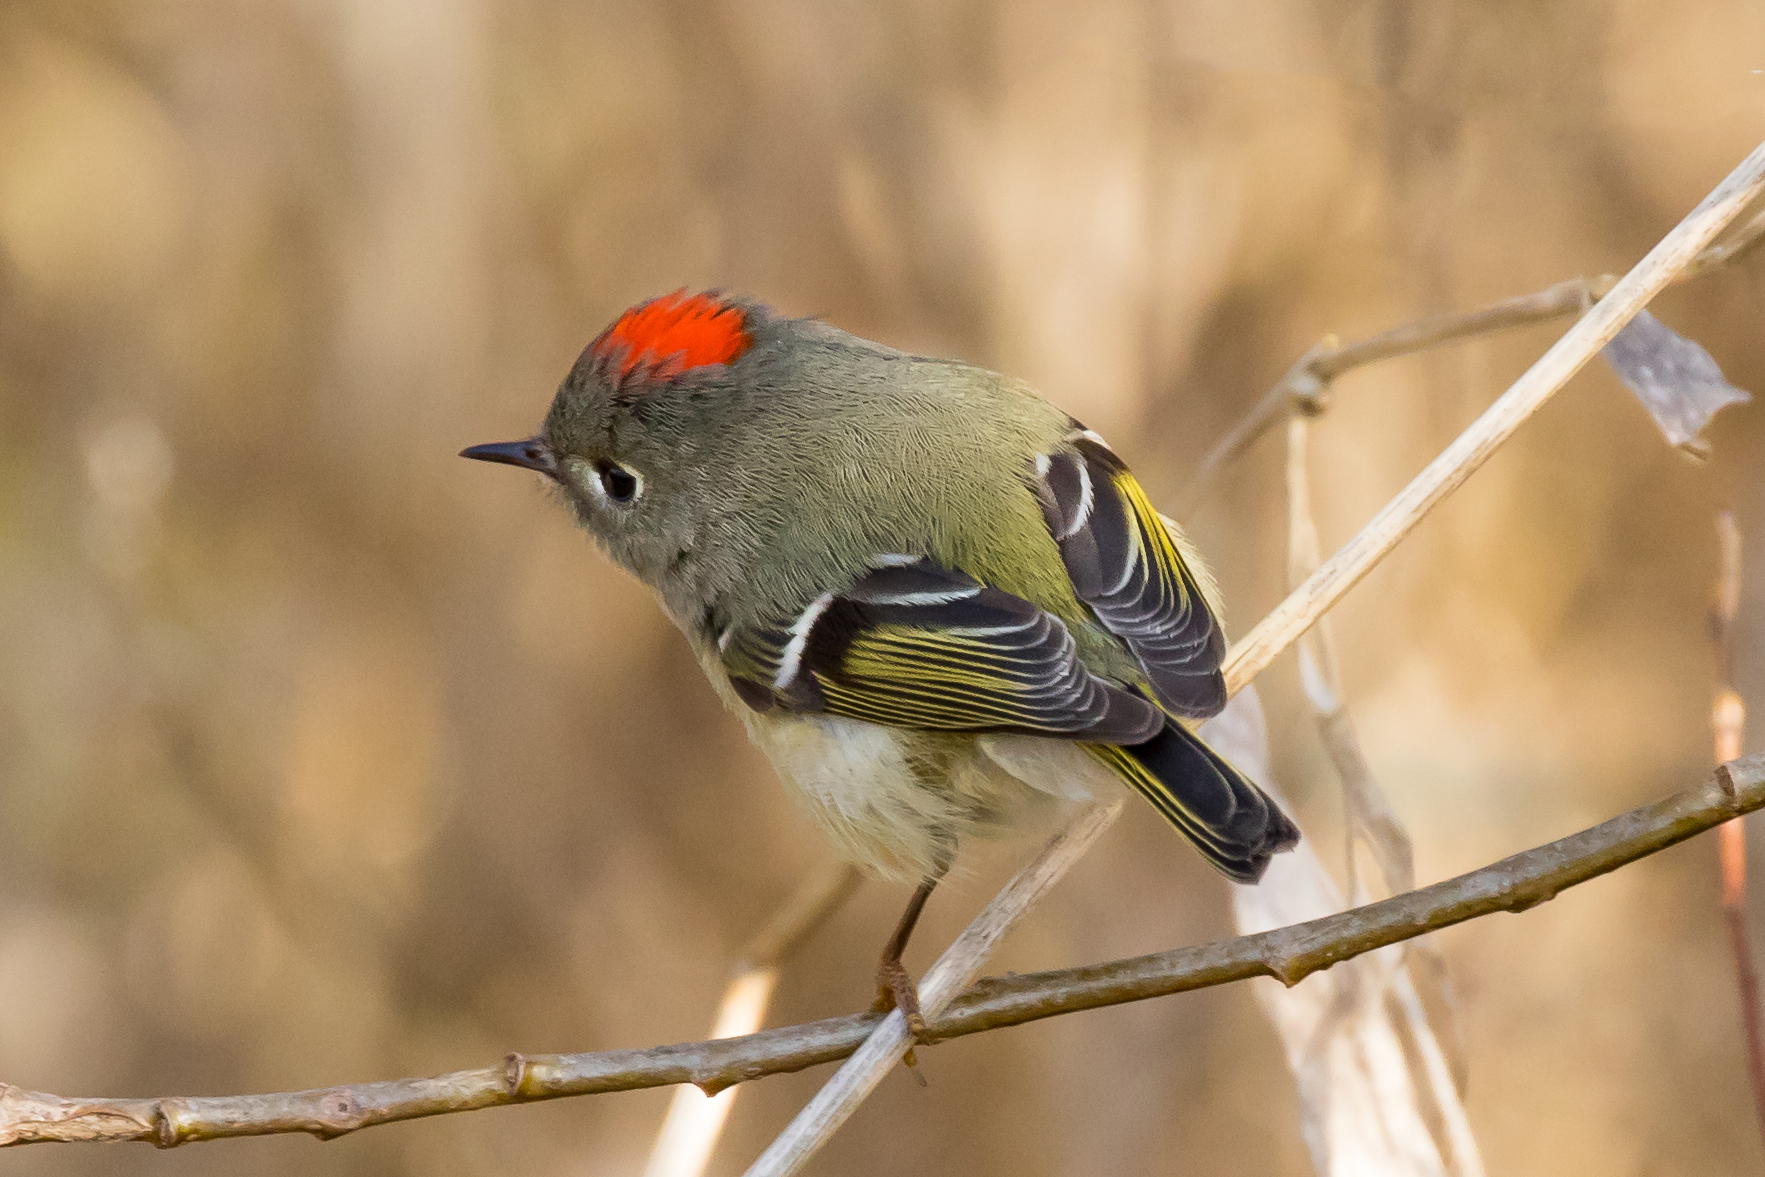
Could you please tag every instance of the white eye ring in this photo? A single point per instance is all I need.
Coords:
(617, 484)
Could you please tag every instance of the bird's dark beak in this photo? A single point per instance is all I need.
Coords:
(533, 453)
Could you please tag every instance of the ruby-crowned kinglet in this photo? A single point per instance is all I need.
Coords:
(925, 590)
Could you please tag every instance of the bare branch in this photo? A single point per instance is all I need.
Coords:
(1289, 954)
(1306, 385)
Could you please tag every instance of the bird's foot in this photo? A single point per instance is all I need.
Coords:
(895, 990)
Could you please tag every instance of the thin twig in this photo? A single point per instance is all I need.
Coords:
(694, 1122)
(1289, 954)
(1306, 385)
(1439, 1080)
(1370, 819)
(1368, 814)
(1473, 447)
(954, 972)
(1728, 717)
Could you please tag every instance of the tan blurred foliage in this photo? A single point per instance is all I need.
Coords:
(325, 756)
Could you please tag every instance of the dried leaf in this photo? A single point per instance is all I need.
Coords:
(1676, 380)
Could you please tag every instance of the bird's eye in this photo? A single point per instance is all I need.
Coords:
(620, 484)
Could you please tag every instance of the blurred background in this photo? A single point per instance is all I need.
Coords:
(326, 756)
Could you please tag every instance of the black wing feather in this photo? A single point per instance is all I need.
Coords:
(914, 645)
(1124, 564)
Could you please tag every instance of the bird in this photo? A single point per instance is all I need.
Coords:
(930, 595)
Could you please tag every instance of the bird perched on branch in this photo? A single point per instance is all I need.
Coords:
(927, 592)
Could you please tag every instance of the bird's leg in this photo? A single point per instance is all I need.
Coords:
(895, 988)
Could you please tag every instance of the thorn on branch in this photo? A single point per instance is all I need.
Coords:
(1527, 900)
(1291, 971)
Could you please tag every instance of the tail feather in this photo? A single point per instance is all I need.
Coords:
(1232, 822)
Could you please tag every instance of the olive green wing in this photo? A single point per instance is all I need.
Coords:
(913, 645)
(1128, 567)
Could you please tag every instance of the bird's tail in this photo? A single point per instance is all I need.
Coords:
(1234, 824)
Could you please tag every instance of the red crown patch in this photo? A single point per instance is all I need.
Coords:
(668, 335)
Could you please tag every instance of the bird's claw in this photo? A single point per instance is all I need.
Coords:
(895, 989)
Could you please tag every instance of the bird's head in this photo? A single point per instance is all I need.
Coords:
(629, 430)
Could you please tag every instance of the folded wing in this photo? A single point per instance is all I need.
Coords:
(914, 645)
(1124, 564)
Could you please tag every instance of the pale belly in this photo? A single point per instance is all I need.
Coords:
(902, 802)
